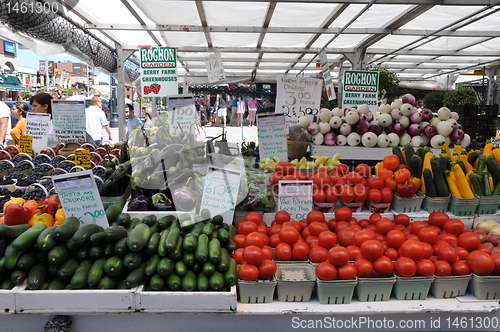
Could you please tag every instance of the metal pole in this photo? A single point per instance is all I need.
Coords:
(113, 123)
(120, 93)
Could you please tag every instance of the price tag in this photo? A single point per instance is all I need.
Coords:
(272, 134)
(295, 197)
(26, 144)
(80, 197)
(220, 192)
(495, 141)
(215, 68)
(82, 158)
(182, 114)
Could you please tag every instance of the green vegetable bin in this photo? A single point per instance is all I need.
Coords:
(463, 206)
(295, 282)
(406, 205)
(412, 288)
(488, 204)
(436, 204)
(451, 286)
(260, 291)
(335, 291)
(485, 287)
(374, 289)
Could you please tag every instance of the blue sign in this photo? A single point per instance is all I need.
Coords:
(9, 47)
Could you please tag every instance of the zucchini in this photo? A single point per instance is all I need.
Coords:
(82, 235)
(188, 281)
(114, 233)
(485, 183)
(11, 232)
(28, 238)
(67, 229)
(407, 152)
(473, 157)
(138, 237)
(462, 165)
(79, 279)
(444, 163)
(429, 183)
(441, 186)
(36, 276)
(46, 240)
(397, 151)
(476, 184)
(67, 269)
(493, 169)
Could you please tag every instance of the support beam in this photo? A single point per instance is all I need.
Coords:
(120, 91)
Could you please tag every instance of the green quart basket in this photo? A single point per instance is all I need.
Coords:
(335, 291)
(463, 206)
(488, 204)
(412, 288)
(406, 205)
(436, 204)
(374, 289)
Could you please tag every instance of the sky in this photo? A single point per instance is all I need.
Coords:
(28, 58)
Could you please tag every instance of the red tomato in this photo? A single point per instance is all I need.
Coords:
(274, 240)
(253, 216)
(239, 240)
(383, 266)
(395, 238)
(443, 269)
(454, 226)
(360, 193)
(319, 195)
(469, 241)
(364, 268)
(428, 234)
(363, 235)
(317, 227)
(496, 261)
(405, 267)
(387, 195)
(254, 239)
(283, 252)
(417, 225)
(253, 255)
(282, 216)
(248, 272)
(267, 252)
(372, 249)
(300, 175)
(353, 252)
(334, 178)
(284, 168)
(345, 235)
(364, 170)
(363, 223)
(450, 238)
(402, 219)
(341, 224)
(338, 256)
(247, 227)
(238, 255)
(289, 234)
(331, 194)
(480, 262)
(267, 269)
(305, 232)
(341, 169)
(412, 249)
(375, 182)
(300, 251)
(318, 254)
(392, 254)
(425, 267)
(315, 216)
(276, 178)
(327, 239)
(346, 272)
(459, 268)
(374, 195)
(263, 230)
(462, 253)
(353, 178)
(447, 253)
(343, 214)
(428, 250)
(438, 218)
(322, 181)
(312, 241)
(326, 271)
(347, 193)
(384, 225)
(290, 177)
(274, 229)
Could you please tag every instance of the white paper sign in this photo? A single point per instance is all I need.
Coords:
(158, 71)
(215, 68)
(38, 126)
(68, 118)
(272, 134)
(360, 87)
(495, 141)
(80, 197)
(220, 192)
(295, 197)
(182, 114)
(330, 89)
(298, 96)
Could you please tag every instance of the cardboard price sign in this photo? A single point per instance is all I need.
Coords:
(82, 158)
(295, 197)
(26, 144)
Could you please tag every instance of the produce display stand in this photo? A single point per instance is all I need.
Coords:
(357, 153)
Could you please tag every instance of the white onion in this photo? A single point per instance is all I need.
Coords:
(352, 117)
(416, 141)
(386, 108)
(364, 109)
(335, 122)
(444, 113)
(395, 114)
(454, 115)
(345, 129)
(341, 140)
(353, 139)
(405, 121)
(369, 140)
(382, 141)
(425, 139)
(404, 139)
(325, 114)
(384, 120)
(369, 116)
(318, 139)
(396, 103)
(304, 121)
(338, 112)
(436, 140)
(434, 121)
(406, 109)
(465, 141)
(324, 127)
(453, 122)
(424, 123)
(444, 128)
(393, 139)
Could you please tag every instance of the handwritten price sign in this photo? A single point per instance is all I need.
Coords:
(82, 158)
(215, 68)
(26, 144)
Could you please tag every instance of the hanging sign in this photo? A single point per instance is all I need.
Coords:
(220, 192)
(68, 118)
(158, 71)
(272, 135)
(38, 127)
(360, 87)
(295, 197)
(325, 73)
(80, 197)
(215, 68)
(82, 158)
(181, 114)
(26, 144)
(298, 96)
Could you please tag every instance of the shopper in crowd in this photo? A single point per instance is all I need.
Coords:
(252, 110)
(96, 120)
(5, 123)
(234, 109)
(133, 122)
(41, 102)
(211, 112)
(221, 105)
(19, 111)
(148, 120)
(240, 110)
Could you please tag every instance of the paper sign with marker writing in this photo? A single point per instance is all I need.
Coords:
(80, 197)
(295, 197)
(38, 127)
(495, 141)
(215, 68)
(26, 144)
(182, 114)
(220, 192)
(82, 158)
(69, 120)
(272, 133)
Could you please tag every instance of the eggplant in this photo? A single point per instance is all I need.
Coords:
(161, 202)
(184, 199)
(139, 203)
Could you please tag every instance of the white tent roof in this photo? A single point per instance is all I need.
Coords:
(258, 40)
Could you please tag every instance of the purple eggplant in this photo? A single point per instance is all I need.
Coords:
(139, 203)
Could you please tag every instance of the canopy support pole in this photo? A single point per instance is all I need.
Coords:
(120, 91)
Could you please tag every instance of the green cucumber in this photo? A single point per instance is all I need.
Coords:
(162, 251)
(11, 232)
(149, 220)
(67, 229)
(57, 284)
(214, 251)
(188, 281)
(201, 252)
(197, 229)
(176, 254)
(79, 279)
(46, 240)
(82, 235)
(113, 266)
(114, 233)
(223, 264)
(28, 238)
(153, 243)
(58, 255)
(18, 276)
(137, 276)
(121, 246)
(202, 283)
(157, 282)
(109, 250)
(190, 242)
(166, 221)
(96, 272)
(152, 264)
(107, 282)
(231, 275)
(132, 260)
(188, 258)
(95, 252)
(4, 243)
(11, 256)
(231, 246)
(208, 229)
(172, 239)
(36, 276)
(216, 281)
(174, 282)
(134, 222)
(180, 268)
(138, 237)
(98, 239)
(67, 269)
(27, 259)
(208, 269)
(123, 219)
(52, 270)
(165, 266)
(223, 236)
(112, 212)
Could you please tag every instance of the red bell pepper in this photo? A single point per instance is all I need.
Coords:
(50, 205)
(407, 189)
(16, 214)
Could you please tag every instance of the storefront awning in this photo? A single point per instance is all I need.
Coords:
(13, 87)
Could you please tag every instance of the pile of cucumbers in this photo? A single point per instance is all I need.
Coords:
(165, 254)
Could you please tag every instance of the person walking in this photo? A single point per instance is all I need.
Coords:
(212, 110)
(240, 111)
(252, 111)
(133, 122)
(234, 108)
(19, 111)
(5, 123)
(96, 120)
(221, 106)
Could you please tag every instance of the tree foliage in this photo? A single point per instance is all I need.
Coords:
(388, 81)
(460, 96)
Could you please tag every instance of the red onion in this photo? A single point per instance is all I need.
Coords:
(329, 139)
(375, 128)
(415, 117)
(389, 129)
(457, 135)
(430, 130)
(345, 129)
(426, 114)
(313, 128)
(398, 128)
(414, 129)
(362, 117)
(408, 98)
(362, 127)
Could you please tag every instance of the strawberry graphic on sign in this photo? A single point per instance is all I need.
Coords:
(153, 88)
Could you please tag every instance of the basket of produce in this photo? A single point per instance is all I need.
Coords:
(335, 291)
(375, 288)
(436, 204)
(259, 291)
(412, 288)
(297, 149)
(463, 206)
(450, 286)
(407, 204)
(485, 287)
(69, 148)
(488, 204)
(295, 282)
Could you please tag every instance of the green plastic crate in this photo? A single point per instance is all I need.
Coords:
(488, 204)
(485, 287)
(412, 288)
(374, 289)
(295, 282)
(260, 291)
(436, 204)
(463, 206)
(335, 291)
(451, 286)
(406, 205)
